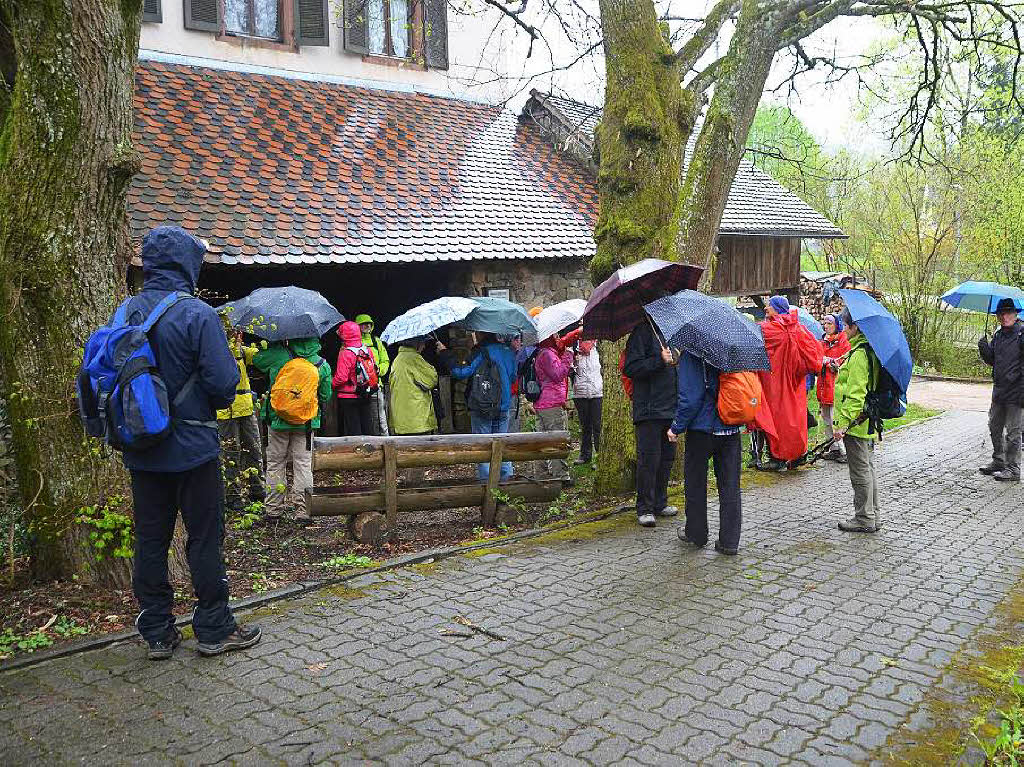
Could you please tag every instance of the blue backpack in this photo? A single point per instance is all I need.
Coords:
(122, 397)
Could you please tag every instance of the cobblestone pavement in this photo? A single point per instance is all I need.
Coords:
(623, 647)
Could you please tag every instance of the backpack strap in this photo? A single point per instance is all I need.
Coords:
(158, 311)
(121, 314)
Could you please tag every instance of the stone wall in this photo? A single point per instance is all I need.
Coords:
(530, 282)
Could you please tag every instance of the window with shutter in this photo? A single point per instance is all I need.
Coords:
(202, 15)
(311, 22)
(435, 33)
(152, 11)
(356, 36)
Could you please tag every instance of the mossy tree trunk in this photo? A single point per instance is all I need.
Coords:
(65, 163)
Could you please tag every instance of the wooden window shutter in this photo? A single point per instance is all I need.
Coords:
(202, 15)
(356, 36)
(152, 11)
(435, 33)
(311, 22)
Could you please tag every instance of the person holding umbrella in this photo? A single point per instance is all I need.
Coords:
(1004, 354)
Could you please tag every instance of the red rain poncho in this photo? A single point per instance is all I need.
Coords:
(835, 347)
(793, 354)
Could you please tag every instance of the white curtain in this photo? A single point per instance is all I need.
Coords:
(236, 16)
(375, 25)
(400, 27)
(265, 13)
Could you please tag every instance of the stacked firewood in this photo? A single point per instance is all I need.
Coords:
(812, 295)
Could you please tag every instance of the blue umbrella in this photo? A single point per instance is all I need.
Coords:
(883, 332)
(810, 323)
(424, 319)
(496, 315)
(983, 296)
(709, 329)
(280, 314)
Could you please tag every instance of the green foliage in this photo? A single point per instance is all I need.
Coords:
(249, 516)
(347, 562)
(1006, 747)
(111, 529)
(11, 642)
(67, 628)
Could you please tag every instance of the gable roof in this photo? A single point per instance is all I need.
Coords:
(277, 170)
(757, 204)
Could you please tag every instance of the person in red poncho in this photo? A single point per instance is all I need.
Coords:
(837, 346)
(793, 354)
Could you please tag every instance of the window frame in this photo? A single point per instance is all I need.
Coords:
(389, 43)
(251, 20)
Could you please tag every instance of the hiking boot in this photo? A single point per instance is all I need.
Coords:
(668, 511)
(1006, 475)
(991, 469)
(646, 520)
(727, 550)
(164, 649)
(238, 639)
(687, 539)
(856, 526)
(775, 464)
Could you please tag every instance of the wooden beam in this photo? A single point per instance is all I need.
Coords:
(390, 483)
(494, 476)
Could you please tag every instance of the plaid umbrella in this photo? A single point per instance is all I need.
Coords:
(710, 329)
(617, 305)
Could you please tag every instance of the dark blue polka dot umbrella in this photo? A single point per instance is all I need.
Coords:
(709, 329)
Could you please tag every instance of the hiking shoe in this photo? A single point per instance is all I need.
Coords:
(727, 550)
(238, 639)
(776, 465)
(991, 469)
(1006, 475)
(687, 539)
(668, 511)
(855, 526)
(164, 649)
(646, 520)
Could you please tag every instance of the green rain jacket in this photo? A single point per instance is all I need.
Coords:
(376, 347)
(412, 406)
(273, 358)
(857, 376)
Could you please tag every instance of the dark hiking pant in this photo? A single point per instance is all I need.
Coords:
(654, 457)
(199, 495)
(589, 411)
(1004, 425)
(242, 452)
(725, 452)
(357, 417)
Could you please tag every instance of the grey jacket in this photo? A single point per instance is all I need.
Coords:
(1003, 353)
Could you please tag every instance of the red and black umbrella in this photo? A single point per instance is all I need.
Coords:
(617, 305)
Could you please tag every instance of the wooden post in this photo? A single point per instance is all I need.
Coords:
(390, 484)
(493, 478)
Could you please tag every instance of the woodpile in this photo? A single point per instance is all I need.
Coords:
(812, 294)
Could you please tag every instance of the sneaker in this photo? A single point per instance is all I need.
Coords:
(1006, 475)
(646, 520)
(991, 469)
(687, 539)
(668, 511)
(164, 649)
(729, 552)
(855, 526)
(238, 639)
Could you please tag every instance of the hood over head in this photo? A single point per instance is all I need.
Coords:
(171, 259)
(304, 347)
(779, 304)
(350, 333)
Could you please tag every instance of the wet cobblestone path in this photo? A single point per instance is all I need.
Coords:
(623, 646)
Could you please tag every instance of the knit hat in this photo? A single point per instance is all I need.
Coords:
(779, 304)
(1006, 305)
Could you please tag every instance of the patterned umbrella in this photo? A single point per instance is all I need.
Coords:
(424, 319)
(558, 317)
(709, 329)
(617, 305)
(279, 314)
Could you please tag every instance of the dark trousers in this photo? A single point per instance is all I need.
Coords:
(357, 417)
(654, 456)
(589, 411)
(725, 452)
(199, 495)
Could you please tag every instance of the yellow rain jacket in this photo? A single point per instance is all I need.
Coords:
(243, 405)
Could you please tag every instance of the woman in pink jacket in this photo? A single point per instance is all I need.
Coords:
(552, 365)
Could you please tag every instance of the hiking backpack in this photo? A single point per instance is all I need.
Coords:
(367, 381)
(884, 401)
(739, 397)
(122, 397)
(529, 386)
(483, 395)
(294, 394)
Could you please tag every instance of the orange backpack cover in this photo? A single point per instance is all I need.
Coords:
(739, 397)
(294, 393)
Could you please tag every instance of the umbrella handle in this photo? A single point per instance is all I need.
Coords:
(657, 333)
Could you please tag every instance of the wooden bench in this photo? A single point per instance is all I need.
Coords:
(374, 509)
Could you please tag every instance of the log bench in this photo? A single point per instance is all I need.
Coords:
(374, 509)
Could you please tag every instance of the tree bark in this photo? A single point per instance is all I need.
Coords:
(65, 163)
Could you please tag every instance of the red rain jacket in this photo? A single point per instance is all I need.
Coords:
(835, 347)
(793, 354)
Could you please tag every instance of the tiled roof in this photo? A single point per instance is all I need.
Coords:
(757, 204)
(273, 170)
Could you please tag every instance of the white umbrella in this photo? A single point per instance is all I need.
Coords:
(426, 318)
(558, 317)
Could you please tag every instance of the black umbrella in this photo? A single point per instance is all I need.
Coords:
(709, 329)
(279, 314)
